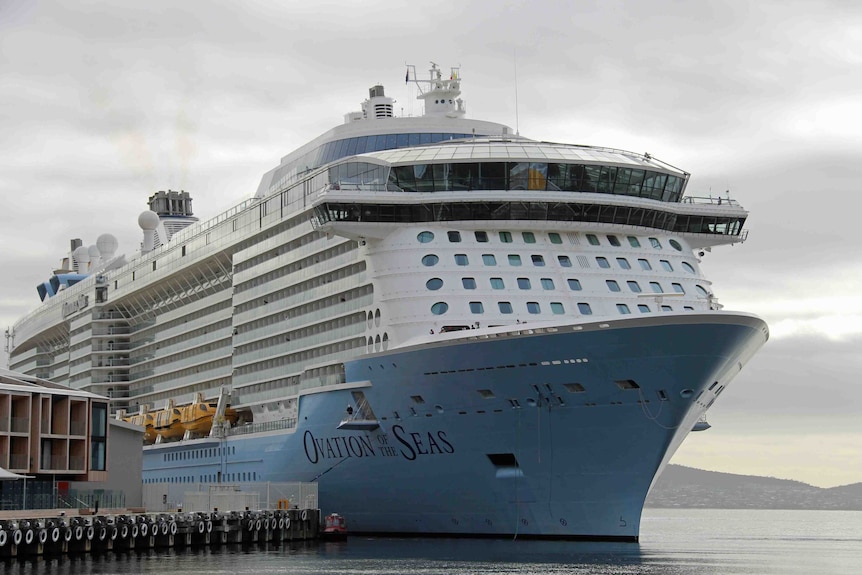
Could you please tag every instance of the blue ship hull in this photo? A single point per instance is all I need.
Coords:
(547, 432)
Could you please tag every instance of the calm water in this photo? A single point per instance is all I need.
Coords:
(692, 542)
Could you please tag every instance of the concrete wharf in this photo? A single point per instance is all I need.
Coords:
(56, 533)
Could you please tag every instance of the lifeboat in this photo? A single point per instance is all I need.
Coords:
(198, 417)
(145, 420)
(168, 423)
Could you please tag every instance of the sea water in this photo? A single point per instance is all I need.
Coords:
(673, 541)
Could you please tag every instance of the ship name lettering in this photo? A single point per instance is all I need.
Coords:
(412, 445)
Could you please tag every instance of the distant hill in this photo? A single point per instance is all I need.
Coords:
(681, 486)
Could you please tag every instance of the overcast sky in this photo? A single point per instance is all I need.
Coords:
(103, 103)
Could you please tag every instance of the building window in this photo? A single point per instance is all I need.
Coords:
(688, 267)
(425, 237)
(547, 284)
(656, 287)
(505, 307)
(645, 265)
(524, 283)
(98, 436)
(557, 308)
(468, 283)
(666, 308)
(613, 285)
(655, 243)
(440, 308)
(614, 241)
(430, 260)
(533, 307)
(564, 261)
(434, 284)
(506, 237)
(634, 286)
(481, 237)
(594, 241)
(555, 238)
(529, 237)
(624, 263)
(454, 237)
(643, 308)
(603, 262)
(489, 259)
(476, 307)
(585, 308)
(497, 283)
(461, 259)
(633, 242)
(675, 245)
(701, 291)
(514, 260)
(623, 309)
(666, 265)
(677, 288)
(538, 261)
(574, 285)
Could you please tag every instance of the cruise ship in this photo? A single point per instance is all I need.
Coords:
(453, 329)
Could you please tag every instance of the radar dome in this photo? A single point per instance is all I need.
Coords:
(107, 245)
(148, 220)
(94, 251)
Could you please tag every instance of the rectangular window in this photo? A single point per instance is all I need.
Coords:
(547, 284)
(524, 283)
(643, 308)
(538, 261)
(454, 237)
(634, 286)
(505, 307)
(585, 308)
(594, 241)
(557, 308)
(574, 285)
(633, 242)
(624, 263)
(481, 237)
(461, 259)
(489, 259)
(645, 264)
(497, 283)
(603, 262)
(514, 260)
(613, 285)
(468, 283)
(623, 309)
(666, 265)
(529, 237)
(506, 237)
(555, 238)
(476, 307)
(614, 241)
(564, 261)
(533, 307)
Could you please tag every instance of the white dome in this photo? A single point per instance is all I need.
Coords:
(94, 251)
(107, 244)
(148, 220)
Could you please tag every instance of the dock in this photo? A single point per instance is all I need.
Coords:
(34, 533)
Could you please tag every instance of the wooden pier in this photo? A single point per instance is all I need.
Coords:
(60, 534)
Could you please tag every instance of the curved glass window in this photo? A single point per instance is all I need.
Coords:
(666, 265)
(688, 267)
(425, 237)
(489, 259)
(434, 284)
(634, 286)
(585, 308)
(547, 283)
(623, 309)
(675, 245)
(440, 308)
(645, 265)
(643, 308)
(430, 260)
(533, 307)
(656, 287)
(468, 283)
(666, 308)
(505, 307)
(677, 288)
(701, 291)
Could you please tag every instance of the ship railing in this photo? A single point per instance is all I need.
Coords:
(248, 428)
(710, 200)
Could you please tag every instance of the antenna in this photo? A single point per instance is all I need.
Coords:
(515, 66)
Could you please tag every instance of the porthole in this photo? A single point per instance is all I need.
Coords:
(425, 237)
(440, 308)
(430, 260)
(434, 284)
(675, 245)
